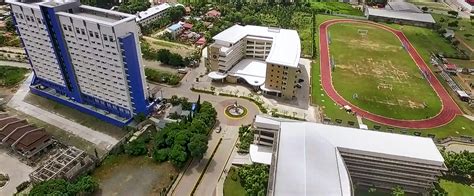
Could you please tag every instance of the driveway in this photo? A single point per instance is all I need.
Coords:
(16, 170)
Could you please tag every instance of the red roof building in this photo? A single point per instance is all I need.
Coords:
(187, 26)
(213, 13)
(201, 41)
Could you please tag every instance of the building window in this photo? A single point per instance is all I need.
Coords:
(96, 35)
(83, 32)
(111, 38)
(105, 37)
(77, 30)
(91, 34)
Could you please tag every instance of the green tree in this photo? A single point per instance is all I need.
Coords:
(175, 60)
(453, 24)
(163, 55)
(254, 178)
(161, 155)
(178, 156)
(398, 191)
(459, 165)
(10, 27)
(198, 145)
(85, 185)
(136, 147)
(425, 9)
(134, 6)
(176, 13)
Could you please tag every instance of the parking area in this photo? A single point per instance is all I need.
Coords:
(16, 170)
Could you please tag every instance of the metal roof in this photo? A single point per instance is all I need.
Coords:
(308, 155)
(152, 11)
(420, 17)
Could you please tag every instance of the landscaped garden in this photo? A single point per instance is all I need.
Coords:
(247, 180)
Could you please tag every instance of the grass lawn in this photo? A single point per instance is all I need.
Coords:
(127, 175)
(454, 188)
(382, 74)
(182, 49)
(337, 7)
(464, 31)
(232, 186)
(11, 76)
(74, 115)
(459, 126)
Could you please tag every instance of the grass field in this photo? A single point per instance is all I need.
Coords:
(382, 74)
(458, 127)
(418, 37)
(464, 31)
(232, 186)
(454, 188)
(183, 50)
(11, 76)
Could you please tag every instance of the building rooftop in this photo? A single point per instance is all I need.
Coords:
(174, 27)
(252, 70)
(308, 155)
(420, 17)
(286, 48)
(402, 6)
(152, 11)
(78, 11)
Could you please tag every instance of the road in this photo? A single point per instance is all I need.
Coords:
(449, 108)
(208, 183)
(101, 140)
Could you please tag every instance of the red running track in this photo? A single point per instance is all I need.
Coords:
(449, 108)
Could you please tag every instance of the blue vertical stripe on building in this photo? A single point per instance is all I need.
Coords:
(61, 52)
(133, 72)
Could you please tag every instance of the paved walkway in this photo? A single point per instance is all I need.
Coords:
(16, 170)
(218, 163)
(448, 112)
(15, 64)
(101, 140)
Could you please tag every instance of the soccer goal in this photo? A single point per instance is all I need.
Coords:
(362, 32)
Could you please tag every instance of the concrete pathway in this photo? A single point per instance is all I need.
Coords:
(101, 140)
(15, 64)
(469, 117)
(16, 170)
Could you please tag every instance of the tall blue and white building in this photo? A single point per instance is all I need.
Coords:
(84, 57)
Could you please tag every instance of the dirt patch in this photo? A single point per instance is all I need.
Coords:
(124, 175)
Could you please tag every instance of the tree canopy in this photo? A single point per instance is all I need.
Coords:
(179, 141)
(254, 179)
(85, 185)
(459, 165)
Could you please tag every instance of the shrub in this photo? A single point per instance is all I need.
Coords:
(202, 91)
(161, 155)
(162, 76)
(136, 147)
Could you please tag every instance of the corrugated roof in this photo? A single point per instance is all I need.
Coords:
(420, 17)
(402, 6)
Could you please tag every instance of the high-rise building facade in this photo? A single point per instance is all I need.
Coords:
(84, 57)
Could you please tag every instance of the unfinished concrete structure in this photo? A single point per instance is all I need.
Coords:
(66, 164)
(23, 138)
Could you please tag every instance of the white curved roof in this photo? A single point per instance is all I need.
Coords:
(286, 47)
(251, 70)
(217, 75)
(308, 154)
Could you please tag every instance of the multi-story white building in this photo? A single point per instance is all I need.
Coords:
(317, 159)
(266, 58)
(146, 17)
(84, 57)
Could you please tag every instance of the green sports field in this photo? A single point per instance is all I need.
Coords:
(375, 73)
